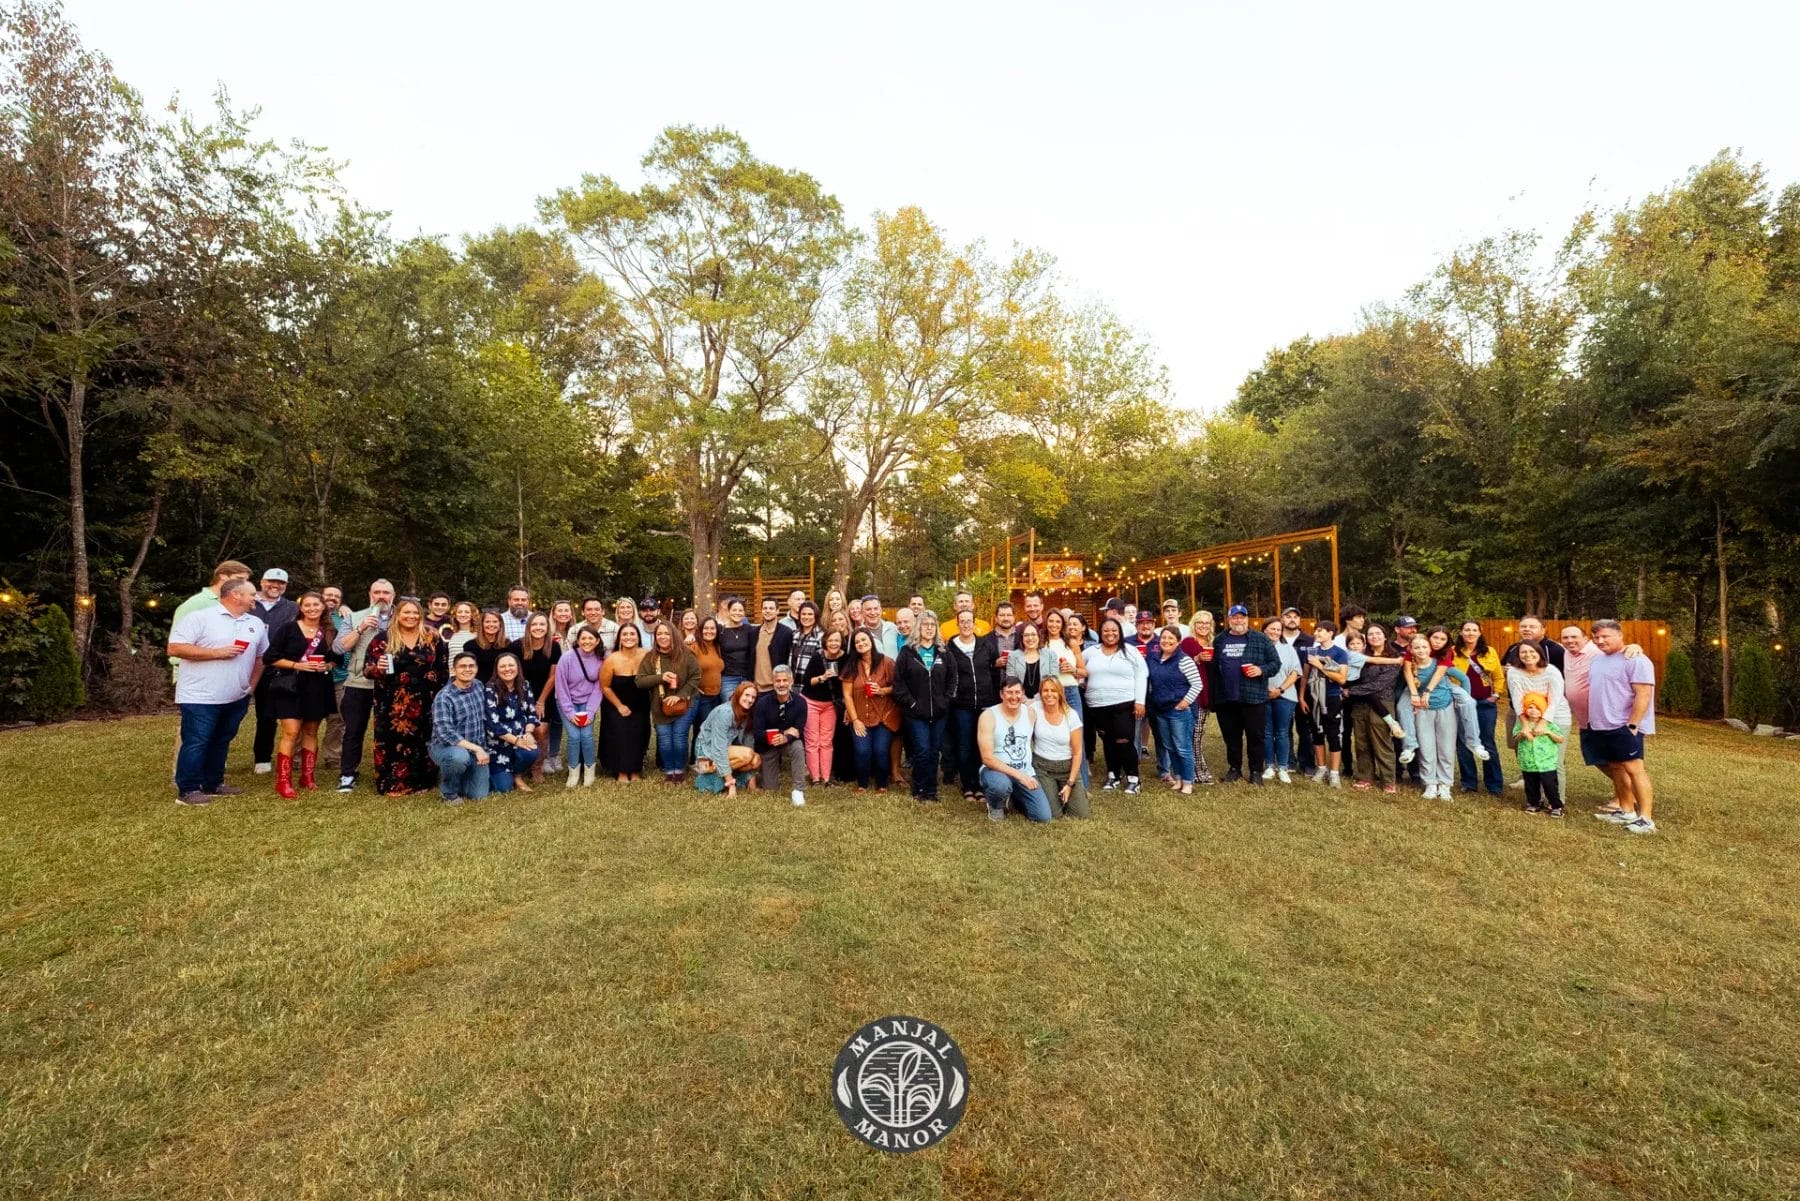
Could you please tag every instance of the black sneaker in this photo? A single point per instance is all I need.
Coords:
(193, 798)
(1234, 776)
(1534, 808)
(1556, 811)
(346, 783)
(1254, 779)
(1132, 787)
(1112, 784)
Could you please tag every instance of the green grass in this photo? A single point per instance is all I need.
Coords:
(635, 992)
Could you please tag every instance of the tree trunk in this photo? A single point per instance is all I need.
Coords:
(83, 601)
(706, 531)
(1643, 590)
(320, 525)
(874, 543)
(519, 490)
(849, 525)
(1398, 541)
(1724, 608)
(128, 582)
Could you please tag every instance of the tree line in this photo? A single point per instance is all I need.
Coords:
(208, 349)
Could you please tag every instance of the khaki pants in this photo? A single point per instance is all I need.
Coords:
(1051, 776)
(331, 734)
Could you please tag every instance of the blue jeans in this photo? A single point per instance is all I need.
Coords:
(925, 740)
(1485, 714)
(962, 725)
(1001, 788)
(500, 779)
(672, 742)
(872, 755)
(458, 773)
(1279, 737)
(206, 734)
(1175, 729)
(1073, 693)
(579, 743)
(703, 704)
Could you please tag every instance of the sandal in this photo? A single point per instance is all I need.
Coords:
(1389, 789)
(1363, 786)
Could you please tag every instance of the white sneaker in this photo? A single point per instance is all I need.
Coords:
(1336, 780)
(263, 769)
(1431, 793)
(1480, 753)
(1407, 755)
(1283, 776)
(1268, 773)
(1642, 825)
(1399, 730)
(798, 797)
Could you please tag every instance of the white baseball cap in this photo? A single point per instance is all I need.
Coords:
(275, 573)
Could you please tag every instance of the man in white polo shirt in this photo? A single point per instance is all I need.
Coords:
(221, 650)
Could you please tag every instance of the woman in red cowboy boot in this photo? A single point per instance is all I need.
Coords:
(299, 659)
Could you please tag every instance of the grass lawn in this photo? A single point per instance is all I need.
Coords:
(637, 992)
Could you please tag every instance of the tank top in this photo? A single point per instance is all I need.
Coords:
(1052, 742)
(1012, 738)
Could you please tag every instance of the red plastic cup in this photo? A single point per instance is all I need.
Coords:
(869, 689)
(242, 644)
(1245, 667)
(1206, 654)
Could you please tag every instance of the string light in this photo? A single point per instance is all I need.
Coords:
(151, 603)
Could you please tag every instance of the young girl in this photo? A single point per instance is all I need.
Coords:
(1444, 656)
(1538, 741)
(1429, 683)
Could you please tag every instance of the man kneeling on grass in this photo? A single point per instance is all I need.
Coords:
(459, 734)
(1005, 736)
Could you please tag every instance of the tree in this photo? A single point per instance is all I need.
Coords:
(931, 336)
(720, 263)
(73, 153)
(1290, 377)
(56, 689)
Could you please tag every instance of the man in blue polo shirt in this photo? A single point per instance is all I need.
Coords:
(221, 651)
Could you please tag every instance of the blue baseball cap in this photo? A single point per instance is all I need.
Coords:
(1237, 611)
(1404, 620)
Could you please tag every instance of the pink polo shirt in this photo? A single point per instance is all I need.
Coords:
(1575, 679)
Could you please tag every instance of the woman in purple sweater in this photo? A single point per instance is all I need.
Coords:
(578, 697)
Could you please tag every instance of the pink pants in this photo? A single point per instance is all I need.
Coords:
(821, 729)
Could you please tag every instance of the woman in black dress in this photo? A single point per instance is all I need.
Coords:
(625, 718)
(299, 659)
(409, 666)
(539, 652)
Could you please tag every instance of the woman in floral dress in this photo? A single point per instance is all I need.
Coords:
(409, 665)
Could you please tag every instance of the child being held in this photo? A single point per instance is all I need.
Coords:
(1536, 738)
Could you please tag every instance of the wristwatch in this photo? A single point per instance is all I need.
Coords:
(1632, 726)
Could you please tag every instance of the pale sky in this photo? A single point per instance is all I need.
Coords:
(1226, 177)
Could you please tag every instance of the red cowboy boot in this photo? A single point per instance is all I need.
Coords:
(284, 777)
(308, 760)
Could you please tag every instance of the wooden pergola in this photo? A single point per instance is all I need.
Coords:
(1014, 572)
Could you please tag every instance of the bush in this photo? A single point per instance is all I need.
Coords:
(21, 649)
(56, 689)
(1680, 687)
(137, 677)
(1753, 695)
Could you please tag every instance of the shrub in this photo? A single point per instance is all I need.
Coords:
(1680, 687)
(21, 649)
(56, 689)
(1753, 695)
(137, 677)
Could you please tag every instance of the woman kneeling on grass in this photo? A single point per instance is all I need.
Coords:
(511, 726)
(724, 760)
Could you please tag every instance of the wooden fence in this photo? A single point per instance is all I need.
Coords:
(756, 585)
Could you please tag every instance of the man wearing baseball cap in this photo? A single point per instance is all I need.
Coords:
(275, 610)
(1248, 665)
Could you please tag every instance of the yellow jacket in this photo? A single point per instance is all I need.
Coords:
(1490, 666)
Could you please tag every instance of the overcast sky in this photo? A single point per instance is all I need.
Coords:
(1225, 176)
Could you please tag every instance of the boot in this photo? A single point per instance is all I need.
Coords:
(308, 759)
(284, 781)
(575, 777)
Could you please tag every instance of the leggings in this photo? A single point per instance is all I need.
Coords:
(1202, 773)
(1541, 790)
(1116, 726)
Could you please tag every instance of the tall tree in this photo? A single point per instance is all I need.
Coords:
(931, 335)
(720, 263)
(74, 149)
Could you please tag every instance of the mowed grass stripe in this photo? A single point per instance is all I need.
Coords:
(639, 991)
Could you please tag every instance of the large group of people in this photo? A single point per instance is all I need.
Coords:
(1032, 709)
